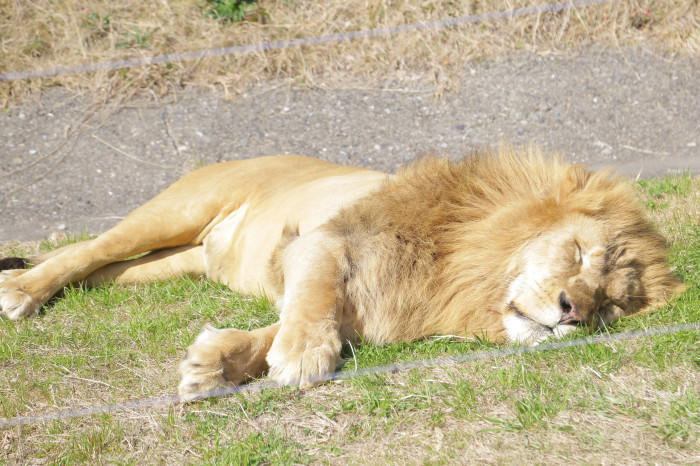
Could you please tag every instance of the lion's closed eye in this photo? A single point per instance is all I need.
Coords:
(587, 255)
(578, 253)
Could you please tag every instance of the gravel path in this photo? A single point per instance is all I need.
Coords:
(66, 167)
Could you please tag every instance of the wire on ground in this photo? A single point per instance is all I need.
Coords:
(389, 368)
(315, 40)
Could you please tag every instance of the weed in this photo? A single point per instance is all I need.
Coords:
(36, 47)
(98, 27)
(136, 39)
(233, 11)
(270, 448)
(681, 421)
(462, 397)
(60, 240)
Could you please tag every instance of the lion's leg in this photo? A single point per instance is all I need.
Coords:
(220, 358)
(178, 216)
(24, 294)
(308, 344)
(156, 265)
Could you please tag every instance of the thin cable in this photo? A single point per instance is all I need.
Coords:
(285, 44)
(389, 368)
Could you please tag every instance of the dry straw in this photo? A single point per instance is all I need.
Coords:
(169, 45)
(305, 41)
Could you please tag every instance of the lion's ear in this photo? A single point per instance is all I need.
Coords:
(624, 287)
(660, 289)
(577, 177)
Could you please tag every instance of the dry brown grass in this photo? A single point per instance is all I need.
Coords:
(573, 436)
(44, 34)
(611, 432)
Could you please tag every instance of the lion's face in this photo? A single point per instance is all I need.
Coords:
(573, 275)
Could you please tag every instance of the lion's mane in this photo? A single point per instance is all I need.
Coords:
(432, 251)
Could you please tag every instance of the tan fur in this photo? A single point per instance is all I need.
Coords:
(508, 246)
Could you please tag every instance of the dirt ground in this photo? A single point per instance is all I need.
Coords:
(67, 164)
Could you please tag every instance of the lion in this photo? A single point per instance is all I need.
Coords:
(506, 245)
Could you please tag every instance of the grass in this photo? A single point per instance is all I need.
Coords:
(624, 402)
(45, 34)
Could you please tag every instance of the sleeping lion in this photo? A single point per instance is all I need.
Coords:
(506, 245)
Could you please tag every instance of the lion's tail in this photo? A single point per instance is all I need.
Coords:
(9, 263)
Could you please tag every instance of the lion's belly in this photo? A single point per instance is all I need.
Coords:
(238, 249)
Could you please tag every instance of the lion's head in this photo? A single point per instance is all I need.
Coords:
(533, 247)
(579, 273)
(591, 268)
(507, 246)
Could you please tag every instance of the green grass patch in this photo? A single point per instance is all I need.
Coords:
(46, 245)
(233, 11)
(661, 190)
(257, 448)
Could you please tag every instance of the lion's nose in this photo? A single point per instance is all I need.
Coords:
(569, 313)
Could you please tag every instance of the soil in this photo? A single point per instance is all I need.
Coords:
(68, 164)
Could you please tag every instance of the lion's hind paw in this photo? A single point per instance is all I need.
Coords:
(16, 304)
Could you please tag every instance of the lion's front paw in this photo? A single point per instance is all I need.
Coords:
(198, 377)
(202, 370)
(15, 303)
(303, 360)
(221, 358)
